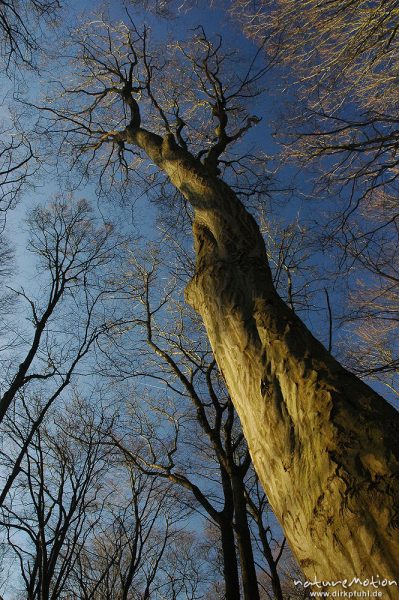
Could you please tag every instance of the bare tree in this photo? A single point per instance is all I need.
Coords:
(57, 500)
(20, 26)
(82, 523)
(324, 444)
(64, 328)
(343, 55)
(71, 253)
(371, 314)
(127, 550)
(16, 165)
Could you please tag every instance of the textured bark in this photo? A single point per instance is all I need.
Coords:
(325, 446)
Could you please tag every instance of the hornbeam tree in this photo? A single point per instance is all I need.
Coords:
(325, 445)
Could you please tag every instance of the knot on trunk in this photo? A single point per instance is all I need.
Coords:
(206, 252)
(204, 240)
(169, 146)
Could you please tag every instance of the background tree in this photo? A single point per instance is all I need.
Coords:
(55, 503)
(16, 165)
(71, 309)
(80, 522)
(126, 554)
(344, 57)
(22, 31)
(21, 26)
(71, 251)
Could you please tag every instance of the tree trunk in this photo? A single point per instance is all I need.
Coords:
(247, 562)
(325, 445)
(275, 578)
(230, 568)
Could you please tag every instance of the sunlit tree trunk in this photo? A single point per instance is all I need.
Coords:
(325, 446)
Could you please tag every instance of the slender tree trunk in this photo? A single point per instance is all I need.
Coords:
(225, 522)
(275, 578)
(230, 567)
(247, 562)
(325, 445)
